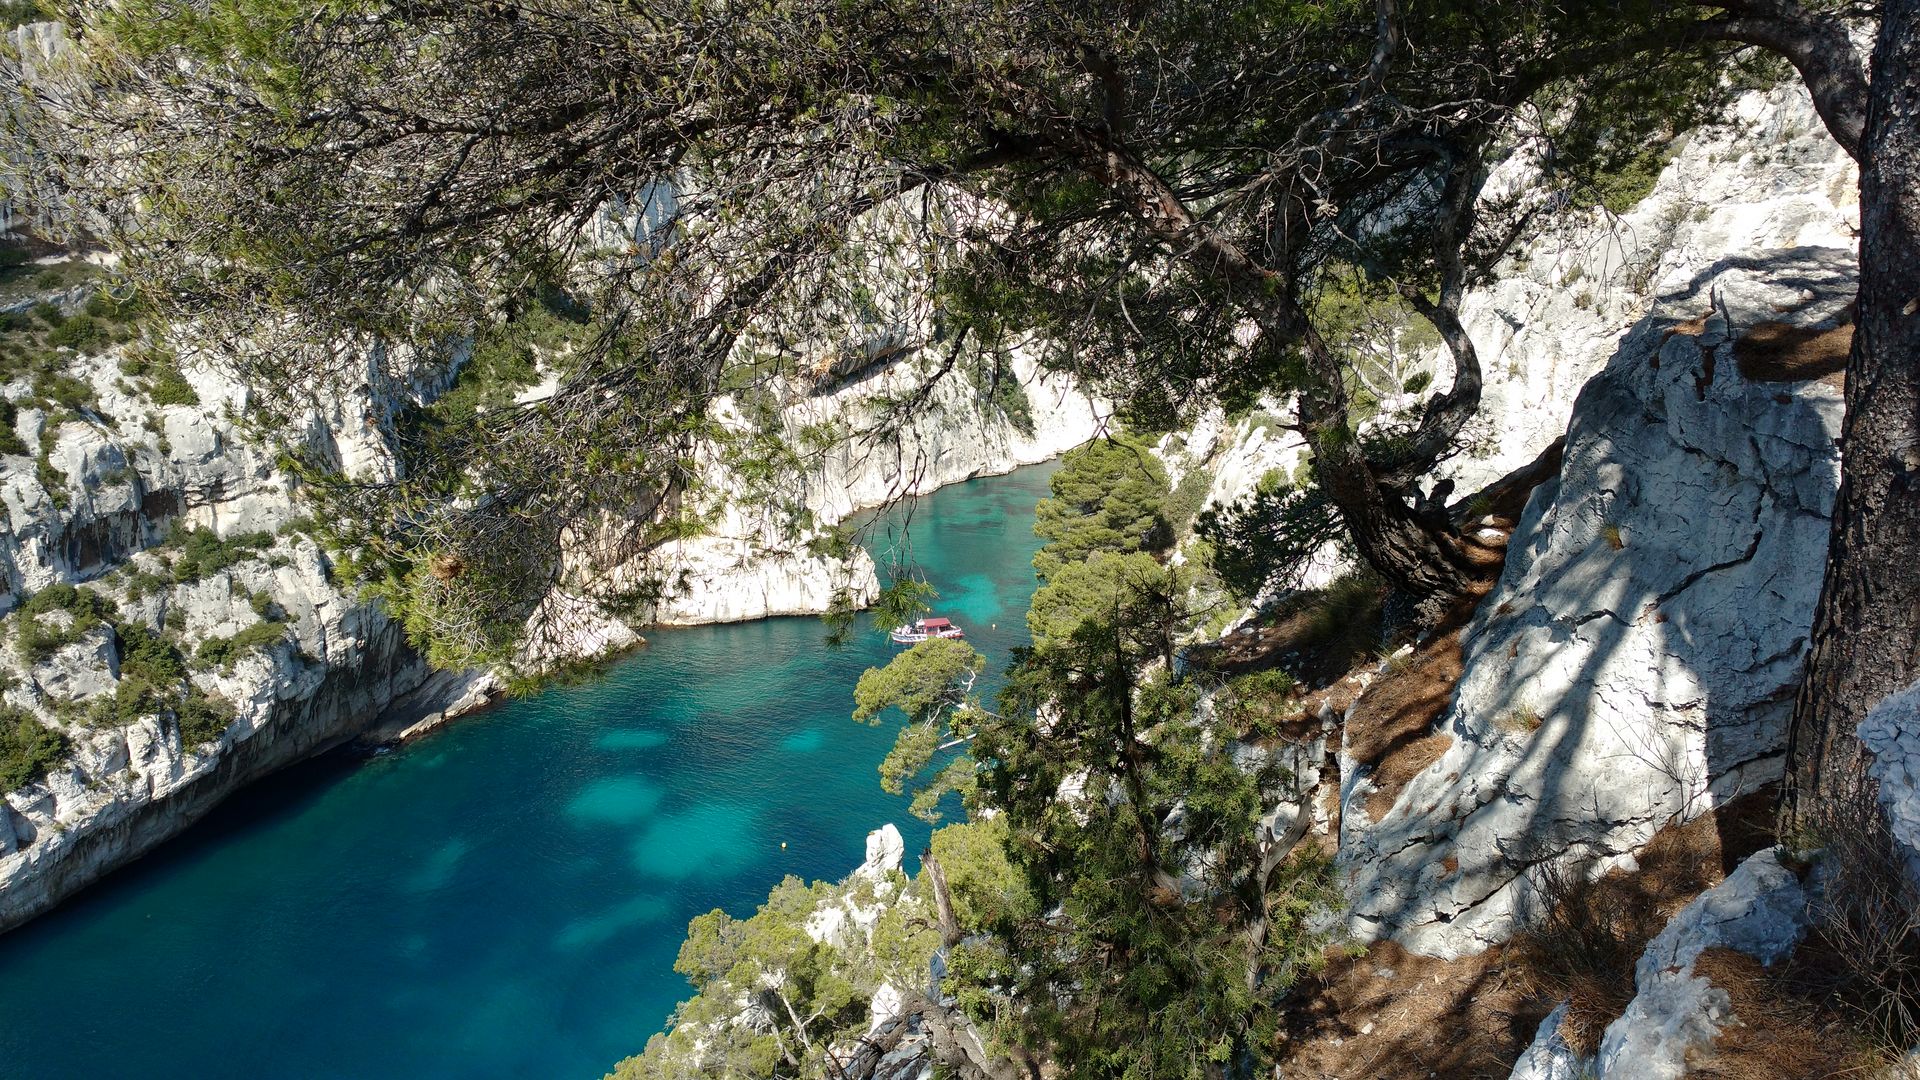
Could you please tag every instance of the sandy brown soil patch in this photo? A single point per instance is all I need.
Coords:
(1399, 769)
(1390, 728)
(1394, 1015)
(1404, 700)
(1776, 1034)
(1781, 352)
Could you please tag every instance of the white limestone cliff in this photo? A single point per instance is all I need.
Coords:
(1635, 664)
(750, 564)
(126, 472)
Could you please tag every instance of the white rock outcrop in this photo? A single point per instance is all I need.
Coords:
(847, 921)
(1636, 662)
(1891, 731)
(1548, 1057)
(1761, 909)
(1764, 178)
(126, 472)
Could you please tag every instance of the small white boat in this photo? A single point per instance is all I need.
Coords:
(923, 629)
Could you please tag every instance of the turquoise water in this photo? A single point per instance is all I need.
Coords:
(504, 898)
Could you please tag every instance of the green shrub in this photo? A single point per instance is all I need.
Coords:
(147, 655)
(49, 314)
(1258, 704)
(144, 583)
(51, 478)
(996, 385)
(58, 390)
(83, 604)
(28, 749)
(83, 333)
(203, 553)
(10, 441)
(170, 387)
(203, 718)
(153, 678)
(227, 651)
(1184, 504)
(20, 12)
(39, 639)
(102, 305)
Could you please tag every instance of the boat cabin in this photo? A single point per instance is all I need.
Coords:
(923, 629)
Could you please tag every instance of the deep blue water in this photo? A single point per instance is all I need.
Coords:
(504, 898)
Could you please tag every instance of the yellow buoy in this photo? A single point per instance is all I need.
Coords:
(783, 845)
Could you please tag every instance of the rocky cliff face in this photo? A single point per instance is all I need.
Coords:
(184, 523)
(1636, 664)
(1766, 179)
(171, 514)
(752, 565)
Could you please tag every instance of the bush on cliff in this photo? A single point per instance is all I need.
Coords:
(28, 749)
(1109, 495)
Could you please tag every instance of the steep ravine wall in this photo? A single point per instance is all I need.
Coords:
(1765, 178)
(1635, 665)
(121, 475)
(1633, 668)
(66, 836)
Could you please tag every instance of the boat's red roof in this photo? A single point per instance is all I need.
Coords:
(935, 624)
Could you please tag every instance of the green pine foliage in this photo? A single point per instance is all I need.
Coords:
(28, 749)
(202, 552)
(1108, 495)
(929, 683)
(814, 995)
(82, 333)
(1093, 589)
(1267, 537)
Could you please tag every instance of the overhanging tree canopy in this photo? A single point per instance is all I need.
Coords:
(1157, 190)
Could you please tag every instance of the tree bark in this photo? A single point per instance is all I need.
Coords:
(1817, 46)
(942, 899)
(1866, 631)
(1409, 553)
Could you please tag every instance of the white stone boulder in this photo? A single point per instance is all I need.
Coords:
(885, 852)
(1891, 731)
(1761, 910)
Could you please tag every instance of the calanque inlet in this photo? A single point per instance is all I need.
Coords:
(922, 538)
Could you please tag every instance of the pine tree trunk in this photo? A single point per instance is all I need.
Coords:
(1411, 554)
(1416, 557)
(1866, 631)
